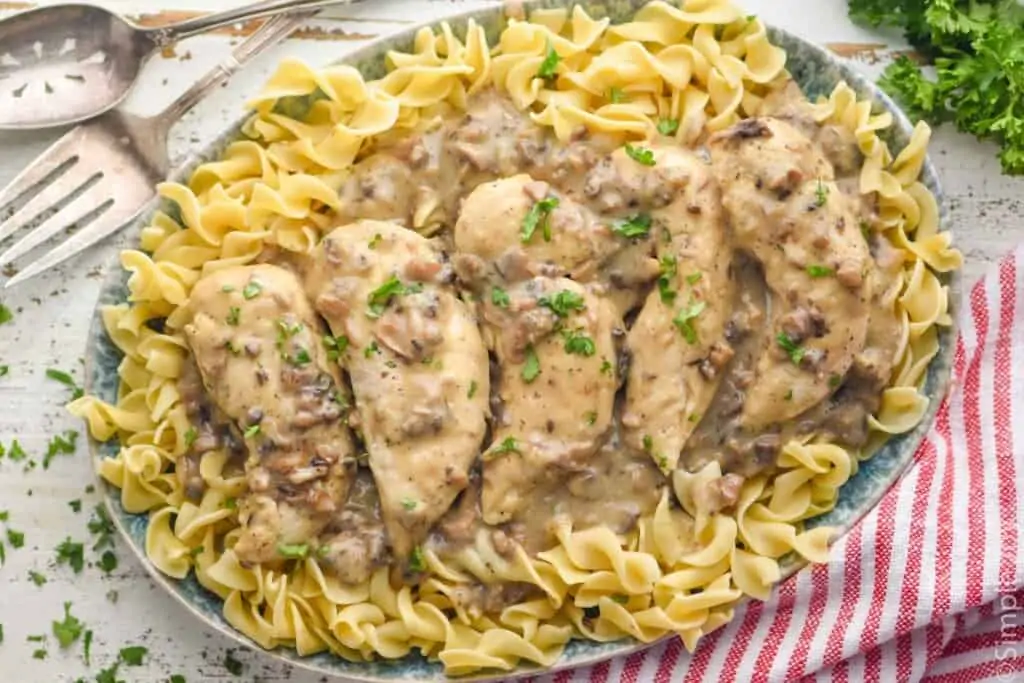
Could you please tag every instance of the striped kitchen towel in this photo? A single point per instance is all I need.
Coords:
(927, 587)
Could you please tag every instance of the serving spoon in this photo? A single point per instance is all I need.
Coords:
(64, 64)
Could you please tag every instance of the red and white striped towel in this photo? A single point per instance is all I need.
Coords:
(927, 587)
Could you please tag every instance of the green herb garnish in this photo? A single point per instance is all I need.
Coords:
(578, 343)
(409, 503)
(417, 562)
(548, 69)
(616, 95)
(499, 297)
(371, 349)
(71, 554)
(694, 278)
(133, 655)
(252, 290)
(563, 303)
(68, 630)
(641, 155)
(666, 277)
(67, 380)
(793, 350)
(668, 126)
(375, 241)
(531, 365)
(633, 227)
(295, 551)
(819, 271)
(821, 194)
(684, 320)
(60, 445)
(37, 578)
(381, 297)
(251, 431)
(472, 389)
(335, 346)
(538, 215)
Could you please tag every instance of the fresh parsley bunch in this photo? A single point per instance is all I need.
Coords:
(977, 49)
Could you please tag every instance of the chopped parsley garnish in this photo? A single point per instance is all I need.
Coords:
(620, 598)
(694, 417)
(39, 654)
(508, 445)
(590, 417)
(499, 297)
(108, 562)
(834, 381)
(251, 431)
(17, 452)
(381, 297)
(252, 290)
(538, 215)
(821, 194)
(472, 389)
(231, 503)
(694, 278)
(531, 366)
(641, 155)
(230, 346)
(668, 126)
(227, 289)
(684, 320)
(792, 349)
(6, 315)
(335, 346)
(190, 436)
(68, 630)
(87, 646)
(109, 675)
(75, 505)
(4, 369)
(819, 271)
(177, 678)
(133, 655)
(865, 230)
(60, 445)
(648, 443)
(71, 554)
(563, 303)
(606, 367)
(409, 503)
(549, 67)
(371, 349)
(578, 343)
(37, 578)
(197, 551)
(417, 562)
(67, 380)
(15, 538)
(1, 633)
(633, 227)
(234, 315)
(789, 395)
(233, 666)
(295, 551)
(616, 95)
(668, 273)
(375, 241)
(300, 357)
(101, 527)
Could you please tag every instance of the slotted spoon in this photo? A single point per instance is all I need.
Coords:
(103, 173)
(64, 64)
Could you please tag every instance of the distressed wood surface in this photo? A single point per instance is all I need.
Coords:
(52, 313)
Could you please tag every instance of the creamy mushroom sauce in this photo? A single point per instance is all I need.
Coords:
(607, 221)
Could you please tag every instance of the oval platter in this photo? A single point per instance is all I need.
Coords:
(817, 72)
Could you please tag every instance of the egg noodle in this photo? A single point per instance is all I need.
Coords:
(682, 570)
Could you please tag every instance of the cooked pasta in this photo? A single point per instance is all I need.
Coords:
(681, 73)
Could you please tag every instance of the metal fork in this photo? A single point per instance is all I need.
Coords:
(105, 172)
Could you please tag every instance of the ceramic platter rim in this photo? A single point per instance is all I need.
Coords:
(810, 65)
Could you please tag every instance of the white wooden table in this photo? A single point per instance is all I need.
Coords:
(52, 314)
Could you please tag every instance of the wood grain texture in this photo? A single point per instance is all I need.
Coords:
(52, 315)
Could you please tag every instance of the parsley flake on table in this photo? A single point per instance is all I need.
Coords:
(539, 215)
(6, 315)
(101, 526)
(67, 380)
(233, 665)
(548, 68)
(531, 365)
(87, 646)
(61, 444)
(133, 655)
(176, 678)
(68, 630)
(108, 561)
(71, 554)
(16, 452)
(641, 155)
(633, 227)
(4, 369)
(15, 538)
(109, 675)
(37, 578)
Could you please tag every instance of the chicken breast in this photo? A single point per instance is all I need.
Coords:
(677, 344)
(785, 209)
(260, 351)
(418, 367)
(554, 343)
(525, 228)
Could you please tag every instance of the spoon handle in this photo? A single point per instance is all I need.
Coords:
(270, 33)
(166, 35)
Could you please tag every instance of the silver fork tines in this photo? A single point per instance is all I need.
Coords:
(102, 174)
